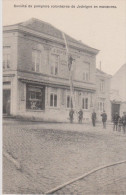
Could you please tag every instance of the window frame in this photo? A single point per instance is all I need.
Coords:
(53, 100)
(36, 55)
(32, 100)
(102, 85)
(85, 103)
(54, 69)
(6, 54)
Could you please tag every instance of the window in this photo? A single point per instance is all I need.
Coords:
(102, 85)
(86, 73)
(6, 57)
(34, 98)
(86, 76)
(101, 106)
(54, 64)
(53, 100)
(84, 103)
(69, 102)
(36, 60)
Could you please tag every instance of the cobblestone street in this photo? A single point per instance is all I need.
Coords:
(51, 154)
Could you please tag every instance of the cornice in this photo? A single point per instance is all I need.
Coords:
(27, 30)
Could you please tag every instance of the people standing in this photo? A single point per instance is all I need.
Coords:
(104, 119)
(80, 117)
(124, 122)
(93, 118)
(115, 121)
(71, 115)
(119, 123)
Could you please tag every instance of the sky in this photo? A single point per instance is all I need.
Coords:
(100, 28)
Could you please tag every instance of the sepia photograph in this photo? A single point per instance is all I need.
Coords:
(64, 97)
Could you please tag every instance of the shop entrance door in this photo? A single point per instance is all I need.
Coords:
(6, 101)
(115, 108)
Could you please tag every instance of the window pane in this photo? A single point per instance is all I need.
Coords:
(32, 95)
(86, 102)
(55, 100)
(38, 95)
(68, 101)
(83, 103)
(51, 100)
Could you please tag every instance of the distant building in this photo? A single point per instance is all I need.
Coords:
(102, 98)
(118, 91)
(36, 76)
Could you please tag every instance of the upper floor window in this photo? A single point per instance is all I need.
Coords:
(54, 64)
(36, 60)
(85, 103)
(6, 57)
(86, 73)
(53, 100)
(102, 85)
(86, 76)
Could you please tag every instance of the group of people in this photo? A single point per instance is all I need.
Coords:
(118, 121)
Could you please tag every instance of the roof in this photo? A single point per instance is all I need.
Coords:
(102, 73)
(48, 29)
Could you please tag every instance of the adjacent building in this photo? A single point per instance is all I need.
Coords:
(118, 91)
(36, 76)
(102, 98)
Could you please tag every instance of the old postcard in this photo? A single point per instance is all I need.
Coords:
(64, 97)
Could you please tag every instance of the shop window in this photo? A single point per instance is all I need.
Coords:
(36, 60)
(35, 98)
(54, 64)
(53, 100)
(84, 103)
(6, 57)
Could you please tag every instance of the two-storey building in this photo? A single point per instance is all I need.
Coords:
(36, 76)
(102, 98)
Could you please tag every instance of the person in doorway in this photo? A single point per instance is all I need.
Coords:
(93, 118)
(115, 121)
(104, 119)
(80, 116)
(124, 122)
(71, 115)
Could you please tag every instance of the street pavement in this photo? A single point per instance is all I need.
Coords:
(50, 154)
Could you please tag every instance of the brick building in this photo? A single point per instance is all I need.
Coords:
(36, 76)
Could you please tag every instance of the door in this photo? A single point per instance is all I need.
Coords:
(115, 108)
(6, 101)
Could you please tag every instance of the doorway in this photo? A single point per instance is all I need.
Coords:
(115, 108)
(6, 101)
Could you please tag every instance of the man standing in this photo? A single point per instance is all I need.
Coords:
(124, 122)
(80, 117)
(71, 114)
(115, 121)
(104, 119)
(93, 118)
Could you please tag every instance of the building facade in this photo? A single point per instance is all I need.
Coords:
(102, 98)
(118, 91)
(36, 75)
